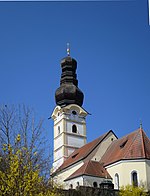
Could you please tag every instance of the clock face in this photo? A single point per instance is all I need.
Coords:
(74, 112)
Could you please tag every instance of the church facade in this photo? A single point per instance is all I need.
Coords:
(106, 160)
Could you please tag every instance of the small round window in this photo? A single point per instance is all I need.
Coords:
(74, 112)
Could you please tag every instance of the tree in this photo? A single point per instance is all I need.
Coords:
(20, 122)
(22, 178)
(130, 190)
(24, 167)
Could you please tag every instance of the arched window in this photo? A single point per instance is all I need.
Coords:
(58, 130)
(74, 129)
(134, 178)
(95, 184)
(77, 185)
(117, 181)
(71, 186)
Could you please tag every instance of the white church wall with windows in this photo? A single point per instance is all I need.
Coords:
(129, 172)
(85, 180)
(66, 173)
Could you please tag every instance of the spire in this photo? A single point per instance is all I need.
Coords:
(141, 124)
(68, 92)
(68, 49)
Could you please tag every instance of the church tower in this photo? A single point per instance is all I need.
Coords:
(69, 116)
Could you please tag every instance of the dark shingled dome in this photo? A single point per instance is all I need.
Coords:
(68, 92)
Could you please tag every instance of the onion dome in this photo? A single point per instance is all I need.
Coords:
(68, 92)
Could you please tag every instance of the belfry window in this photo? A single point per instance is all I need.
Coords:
(74, 129)
(134, 178)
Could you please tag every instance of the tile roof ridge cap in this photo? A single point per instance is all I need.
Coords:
(89, 164)
(95, 169)
(143, 143)
(86, 163)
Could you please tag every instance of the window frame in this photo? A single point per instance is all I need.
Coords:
(117, 180)
(134, 181)
(74, 128)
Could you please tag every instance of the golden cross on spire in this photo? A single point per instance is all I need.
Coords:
(68, 49)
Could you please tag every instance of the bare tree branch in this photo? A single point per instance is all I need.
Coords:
(21, 120)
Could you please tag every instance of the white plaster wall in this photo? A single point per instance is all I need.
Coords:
(58, 118)
(74, 182)
(84, 181)
(75, 141)
(124, 170)
(148, 173)
(56, 132)
(103, 146)
(58, 142)
(89, 180)
(80, 127)
(58, 154)
(57, 164)
(59, 179)
(77, 118)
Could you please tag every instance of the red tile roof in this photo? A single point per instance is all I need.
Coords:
(90, 168)
(135, 145)
(82, 152)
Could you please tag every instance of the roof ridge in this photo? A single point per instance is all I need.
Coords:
(99, 140)
(136, 134)
(144, 136)
(94, 168)
(90, 164)
(86, 165)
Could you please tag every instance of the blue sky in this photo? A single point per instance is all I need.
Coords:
(110, 41)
